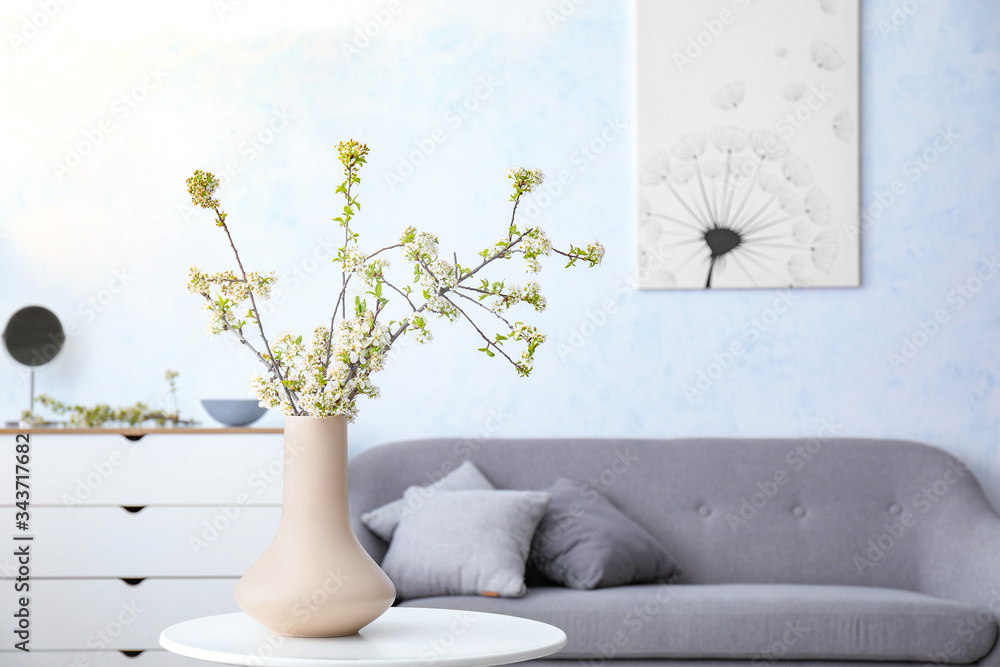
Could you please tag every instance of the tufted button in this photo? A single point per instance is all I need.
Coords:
(799, 511)
(895, 509)
(704, 511)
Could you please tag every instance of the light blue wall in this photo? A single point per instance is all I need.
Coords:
(554, 87)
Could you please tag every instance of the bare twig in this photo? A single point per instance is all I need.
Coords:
(275, 366)
(571, 255)
(483, 306)
(329, 336)
(478, 290)
(379, 252)
(489, 343)
(401, 293)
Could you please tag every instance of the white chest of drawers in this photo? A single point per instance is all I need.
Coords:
(131, 536)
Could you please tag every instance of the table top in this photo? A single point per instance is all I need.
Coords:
(401, 636)
(141, 430)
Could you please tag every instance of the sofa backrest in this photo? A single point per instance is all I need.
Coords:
(835, 511)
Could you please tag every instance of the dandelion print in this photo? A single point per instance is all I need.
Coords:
(730, 96)
(824, 250)
(794, 92)
(748, 147)
(740, 206)
(816, 206)
(843, 126)
(826, 56)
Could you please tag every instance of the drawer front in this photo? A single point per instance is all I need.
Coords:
(158, 658)
(196, 469)
(155, 542)
(108, 614)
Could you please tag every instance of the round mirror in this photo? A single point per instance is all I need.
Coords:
(34, 336)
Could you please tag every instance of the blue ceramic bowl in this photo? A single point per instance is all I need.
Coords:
(233, 411)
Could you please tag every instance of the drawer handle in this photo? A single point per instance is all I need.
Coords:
(132, 581)
(133, 509)
(135, 438)
(131, 654)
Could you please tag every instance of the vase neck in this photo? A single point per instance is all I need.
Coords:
(315, 471)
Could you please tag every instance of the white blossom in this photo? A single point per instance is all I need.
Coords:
(354, 260)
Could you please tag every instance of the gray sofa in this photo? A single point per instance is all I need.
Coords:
(792, 551)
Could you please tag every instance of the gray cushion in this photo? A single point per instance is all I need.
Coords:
(464, 542)
(585, 542)
(748, 622)
(383, 520)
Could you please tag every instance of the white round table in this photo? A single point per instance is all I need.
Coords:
(401, 636)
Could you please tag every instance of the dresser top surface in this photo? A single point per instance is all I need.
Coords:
(137, 431)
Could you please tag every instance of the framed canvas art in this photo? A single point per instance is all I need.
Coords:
(748, 144)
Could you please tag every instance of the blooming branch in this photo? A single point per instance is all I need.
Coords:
(327, 375)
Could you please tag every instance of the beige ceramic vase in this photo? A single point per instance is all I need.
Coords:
(315, 579)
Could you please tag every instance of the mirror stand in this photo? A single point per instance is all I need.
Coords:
(34, 337)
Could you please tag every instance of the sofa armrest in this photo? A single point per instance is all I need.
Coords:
(960, 557)
(964, 564)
